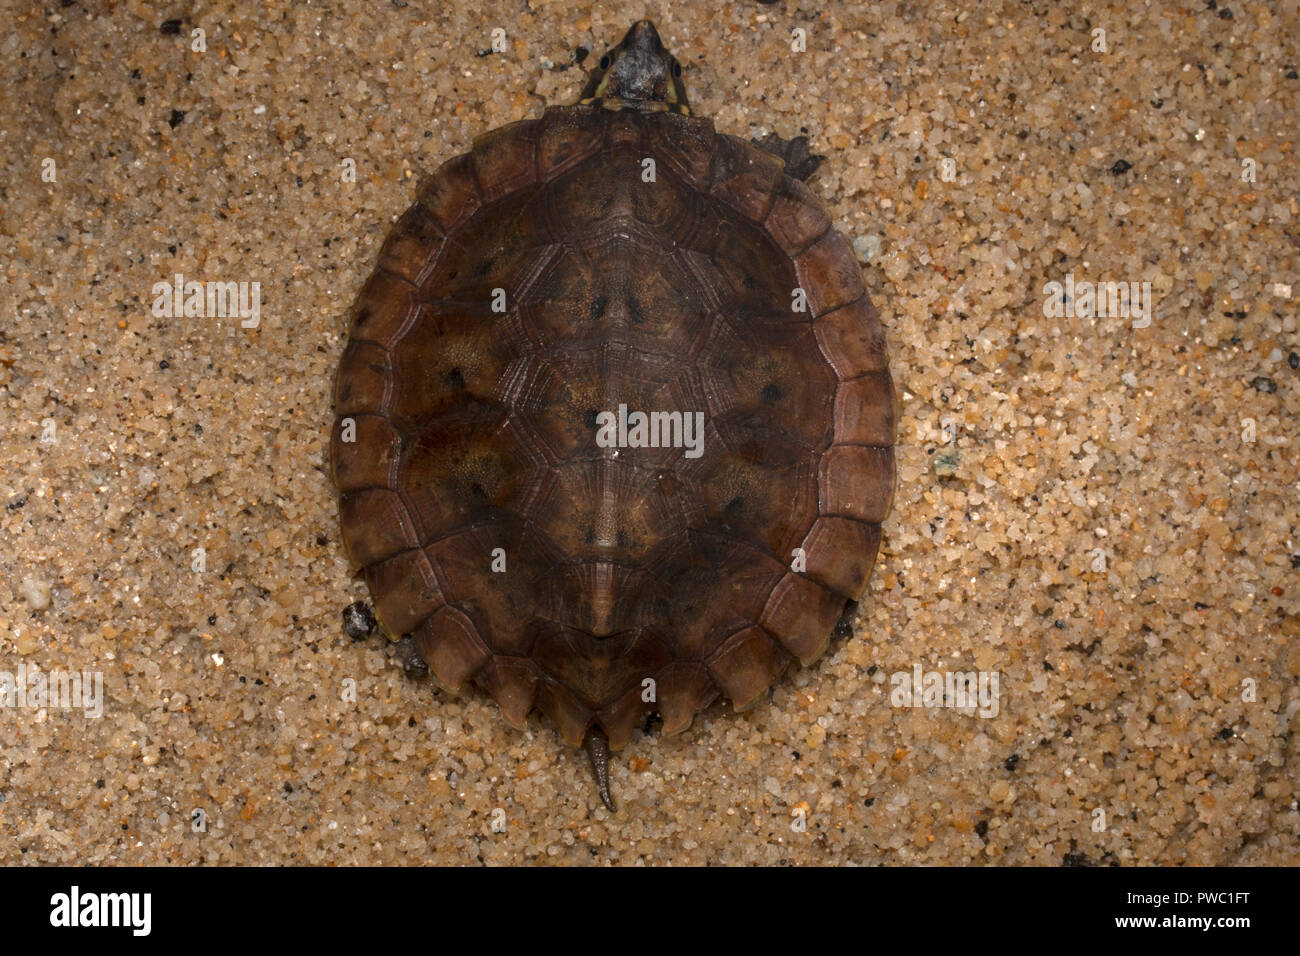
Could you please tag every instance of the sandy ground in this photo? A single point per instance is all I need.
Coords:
(1100, 509)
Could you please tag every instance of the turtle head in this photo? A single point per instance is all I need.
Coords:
(639, 73)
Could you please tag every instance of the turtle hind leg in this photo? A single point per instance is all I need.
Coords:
(844, 626)
(408, 655)
(799, 161)
(597, 745)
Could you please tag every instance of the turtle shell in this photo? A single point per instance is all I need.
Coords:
(509, 509)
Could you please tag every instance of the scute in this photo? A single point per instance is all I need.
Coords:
(541, 280)
(761, 370)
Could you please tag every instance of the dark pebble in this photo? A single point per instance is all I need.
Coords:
(359, 620)
(1121, 167)
(170, 28)
(1262, 383)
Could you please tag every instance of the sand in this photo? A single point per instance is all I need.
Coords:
(1101, 510)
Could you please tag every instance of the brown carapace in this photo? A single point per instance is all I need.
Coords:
(615, 423)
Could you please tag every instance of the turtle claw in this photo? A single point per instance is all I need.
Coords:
(597, 745)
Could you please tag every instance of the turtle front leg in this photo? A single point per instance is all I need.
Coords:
(799, 161)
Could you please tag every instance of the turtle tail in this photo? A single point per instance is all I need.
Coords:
(597, 745)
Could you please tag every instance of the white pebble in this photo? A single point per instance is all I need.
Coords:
(37, 593)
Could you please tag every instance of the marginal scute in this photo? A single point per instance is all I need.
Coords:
(796, 218)
(840, 552)
(450, 194)
(364, 380)
(828, 273)
(682, 690)
(564, 709)
(413, 245)
(386, 307)
(376, 525)
(864, 410)
(746, 665)
(407, 590)
(857, 482)
(505, 160)
(372, 464)
(745, 177)
(513, 682)
(620, 719)
(451, 647)
(801, 614)
(851, 339)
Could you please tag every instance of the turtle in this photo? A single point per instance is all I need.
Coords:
(615, 424)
